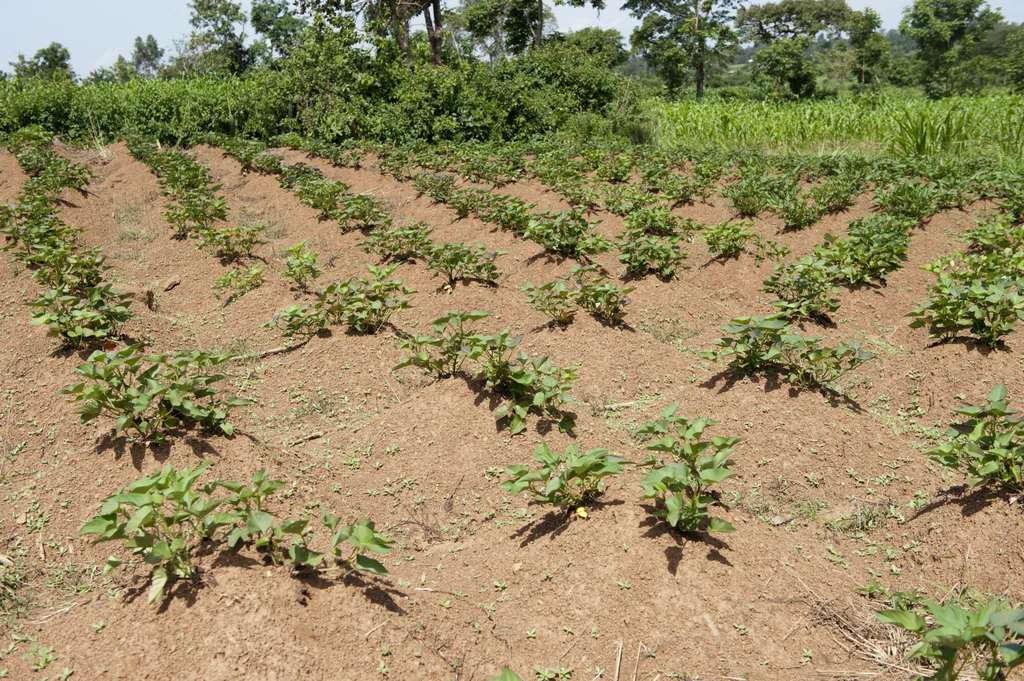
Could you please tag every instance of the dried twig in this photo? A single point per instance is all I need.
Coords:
(376, 628)
(306, 438)
(283, 348)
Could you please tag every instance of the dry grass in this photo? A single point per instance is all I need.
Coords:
(867, 639)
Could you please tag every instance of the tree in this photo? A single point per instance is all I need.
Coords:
(783, 64)
(219, 36)
(837, 62)
(1015, 61)
(676, 36)
(792, 19)
(51, 62)
(388, 19)
(788, 28)
(146, 56)
(499, 28)
(540, 12)
(948, 33)
(121, 71)
(870, 48)
(275, 22)
(605, 43)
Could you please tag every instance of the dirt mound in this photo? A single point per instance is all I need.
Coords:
(822, 501)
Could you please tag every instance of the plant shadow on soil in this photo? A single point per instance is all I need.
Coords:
(774, 381)
(122, 444)
(972, 345)
(554, 523)
(674, 554)
(970, 501)
(374, 590)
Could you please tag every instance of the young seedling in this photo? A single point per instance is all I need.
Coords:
(366, 303)
(682, 486)
(987, 446)
(153, 394)
(301, 266)
(456, 261)
(568, 480)
(161, 520)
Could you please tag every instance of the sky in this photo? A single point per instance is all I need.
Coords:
(96, 31)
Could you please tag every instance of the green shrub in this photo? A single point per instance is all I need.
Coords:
(82, 318)
(989, 639)
(755, 192)
(239, 282)
(763, 344)
(873, 248)
(438, 186)
(153, 394)
(361, 212)
(837, 194)
(566, 233)
(399, 243)
(615, 168)
(995, 233)
(65, 267)
(657, 220)
(627, 198)
(467, 201)
(682, 485)
(507, 212)
(164, 521)
(454, 341)
(730, 239)
(987, 446)
(568, 480)
(907, 199)
(642, 255)
(973, 294)
(554, 299)
(805, 288)
(456, 261)
(232, 243)
(316, 191)
(161, 520)
(303, 319)
(366, 303)
(606, 301)
(796, 210)
(531, 384)
(301, 266)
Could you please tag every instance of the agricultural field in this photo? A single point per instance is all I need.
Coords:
(294, 410)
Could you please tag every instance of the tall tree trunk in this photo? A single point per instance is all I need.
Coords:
(700, 75)
(400, 27)
(435, 30)
(539, 35)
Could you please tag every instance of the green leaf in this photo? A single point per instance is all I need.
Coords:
(902, 618)
(719, 525)
(997, 394)
(370, 565)
(159, 583)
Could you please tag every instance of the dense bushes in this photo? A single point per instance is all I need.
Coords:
(332, 89)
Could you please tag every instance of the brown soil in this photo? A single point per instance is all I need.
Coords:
(480, 580)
